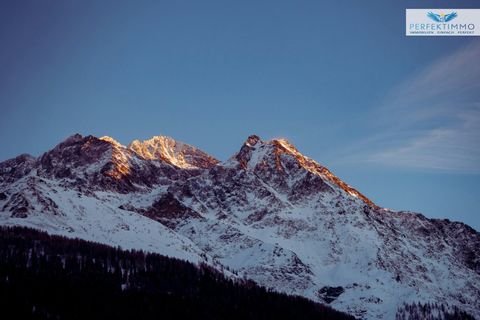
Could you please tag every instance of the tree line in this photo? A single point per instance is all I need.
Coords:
(53, 277)
(431, 311)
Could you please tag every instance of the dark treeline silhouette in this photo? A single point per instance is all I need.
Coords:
(53, 277)
(431, 311)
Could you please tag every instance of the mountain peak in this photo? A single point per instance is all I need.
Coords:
(73, 138)
(281, 156)
(111, 141)
(255, 149)
(284, 143)
(252, 140)
(174, 152)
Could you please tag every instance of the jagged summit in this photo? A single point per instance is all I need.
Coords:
(73, 138)
(279, 155)
(112, 141)
(252, 140)
(174, 152)
(103, 163)
(255, 149)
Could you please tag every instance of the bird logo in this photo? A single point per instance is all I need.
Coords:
(441, 17)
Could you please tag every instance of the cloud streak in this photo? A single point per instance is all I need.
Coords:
(432, 120)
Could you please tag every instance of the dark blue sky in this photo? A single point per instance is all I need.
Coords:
(397, 117)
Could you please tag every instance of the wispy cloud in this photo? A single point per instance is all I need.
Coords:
(432, 120)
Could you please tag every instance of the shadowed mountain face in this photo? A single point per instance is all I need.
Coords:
(268, 213)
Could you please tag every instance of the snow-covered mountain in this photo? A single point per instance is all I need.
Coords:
(268, 213)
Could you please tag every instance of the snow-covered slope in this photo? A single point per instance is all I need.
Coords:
(268, 213)
(50, 206)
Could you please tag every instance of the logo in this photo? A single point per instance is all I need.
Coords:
(442, 22)
(441, 17)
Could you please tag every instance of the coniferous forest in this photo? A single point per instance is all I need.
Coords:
(53, 277)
